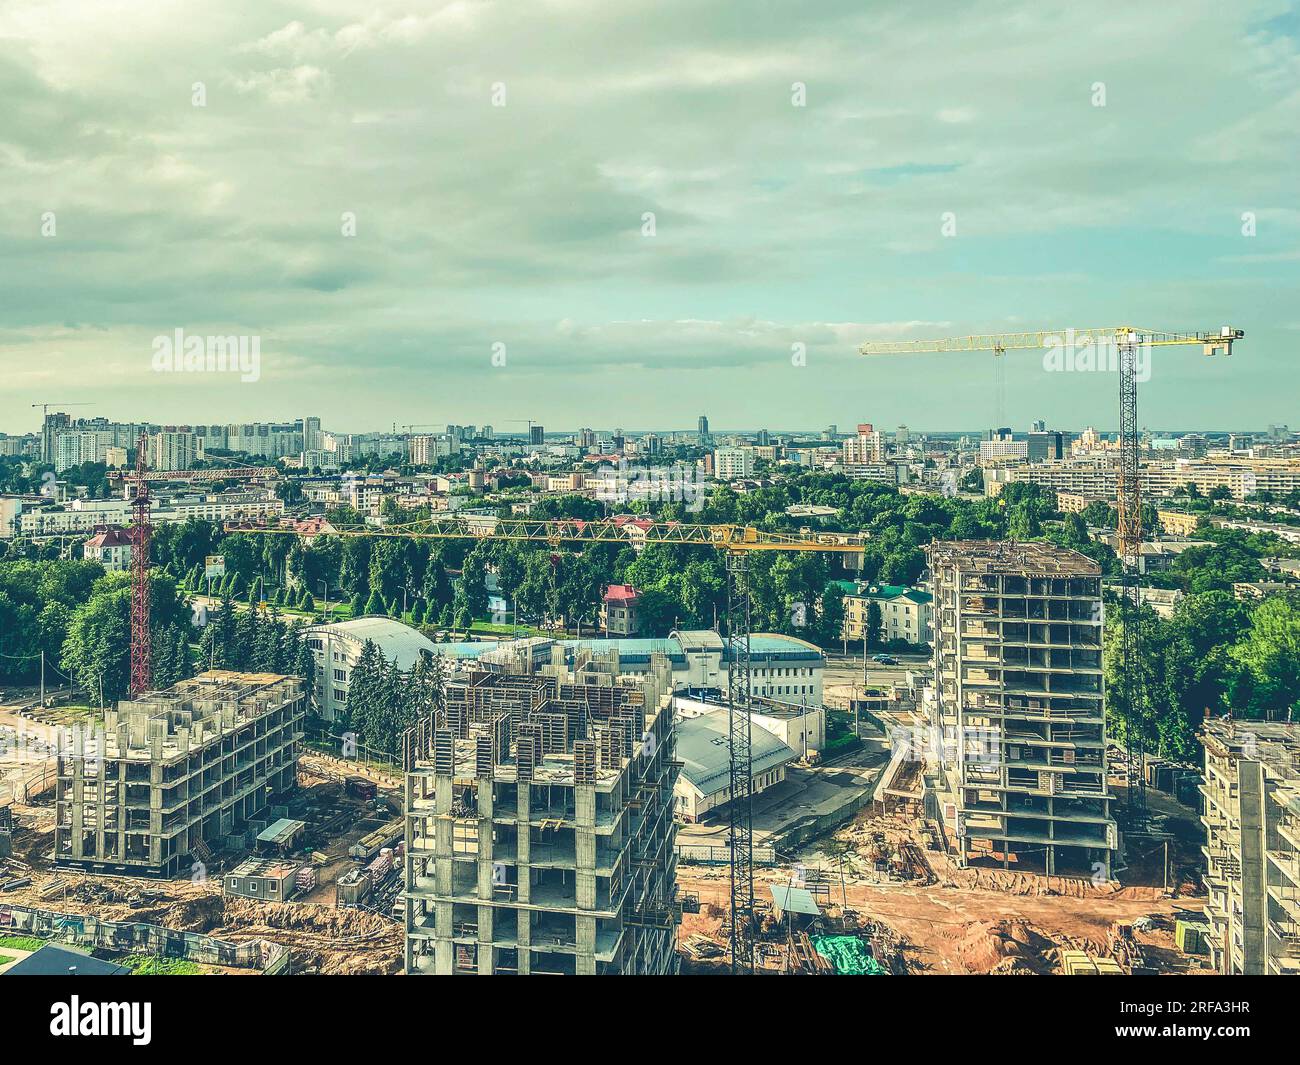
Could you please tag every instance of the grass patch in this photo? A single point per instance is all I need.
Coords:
(21, 942)
(487, 628)
(153, 966)
(5, 959)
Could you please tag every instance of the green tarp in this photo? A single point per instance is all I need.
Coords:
(849, 956)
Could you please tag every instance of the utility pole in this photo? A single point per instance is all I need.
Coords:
(42, 679)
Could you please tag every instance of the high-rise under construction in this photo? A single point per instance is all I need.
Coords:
(1018, 707)
(539, 825)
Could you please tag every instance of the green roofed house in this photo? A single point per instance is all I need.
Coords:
(905, 612)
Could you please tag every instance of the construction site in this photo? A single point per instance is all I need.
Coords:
(539, 825)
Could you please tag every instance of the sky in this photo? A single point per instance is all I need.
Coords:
(629, 214)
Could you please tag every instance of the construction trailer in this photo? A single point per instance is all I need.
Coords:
(1017, 720)
(270, 880)
(539, 826)
(161, 781)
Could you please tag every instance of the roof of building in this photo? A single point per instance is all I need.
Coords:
(621, 593)
(638, 650)
(794, 900)
(281, 831)
(702, 750)
(1018, 557)
(885, 591)
(398, 642)
(112, 536)
(51, 960)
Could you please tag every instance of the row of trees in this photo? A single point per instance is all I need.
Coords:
(385, 700)
(256, 641)
(1216, 653)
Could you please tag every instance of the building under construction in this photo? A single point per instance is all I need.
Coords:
(1017, 717)
(163, 779)
(1252, 846)
(539, 825)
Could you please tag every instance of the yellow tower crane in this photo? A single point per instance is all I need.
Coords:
(1126, 343)
(738, 542)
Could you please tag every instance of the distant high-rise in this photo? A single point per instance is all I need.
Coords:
(1045, 446)
(50, 429)
(703, 430)
(537, 434)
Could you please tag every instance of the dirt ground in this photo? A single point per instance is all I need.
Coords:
(323, 939)
(954, 921)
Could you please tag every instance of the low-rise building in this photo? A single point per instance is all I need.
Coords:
(337, 648)
(704, 783)
(618, 610)
(110, 547)
(905, 613)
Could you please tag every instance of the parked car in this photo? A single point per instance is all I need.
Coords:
(885, 660)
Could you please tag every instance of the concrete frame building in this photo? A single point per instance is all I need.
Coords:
(145, 792)
(539, 827)
(1017, 709)
(1252, 848)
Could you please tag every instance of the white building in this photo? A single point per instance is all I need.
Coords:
(110, 547)
(867, 447)
(174, 451)
(730, 463)
(704, 782)
(338, 646)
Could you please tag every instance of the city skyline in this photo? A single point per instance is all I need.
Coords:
(438, 211)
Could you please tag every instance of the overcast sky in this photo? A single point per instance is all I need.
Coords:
(1095, 160)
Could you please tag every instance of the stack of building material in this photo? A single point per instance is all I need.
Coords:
(1078, 963)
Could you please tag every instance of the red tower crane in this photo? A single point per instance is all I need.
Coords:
(141, 649)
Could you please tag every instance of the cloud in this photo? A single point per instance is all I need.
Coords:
(773, 222)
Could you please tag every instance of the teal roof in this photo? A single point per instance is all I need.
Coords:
(884, 592)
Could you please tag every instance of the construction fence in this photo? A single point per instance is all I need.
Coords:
(708, 855)
(134, 937)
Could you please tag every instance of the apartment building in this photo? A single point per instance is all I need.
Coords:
(73, 447)
(1252, 848)
(162, 780)
(1017, 708)
(1098, 477)
(864, 448)
(730, 463)
(905, 613)
(539, 826)
(175, 450)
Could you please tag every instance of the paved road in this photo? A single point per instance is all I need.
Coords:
(846, 672)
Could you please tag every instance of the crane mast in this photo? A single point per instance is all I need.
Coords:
(738, 542)
(1128, 341)
(141, 533)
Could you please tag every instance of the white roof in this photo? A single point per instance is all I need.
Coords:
(399, 643)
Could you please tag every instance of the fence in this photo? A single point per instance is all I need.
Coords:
(86, 930)
(707, 855)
